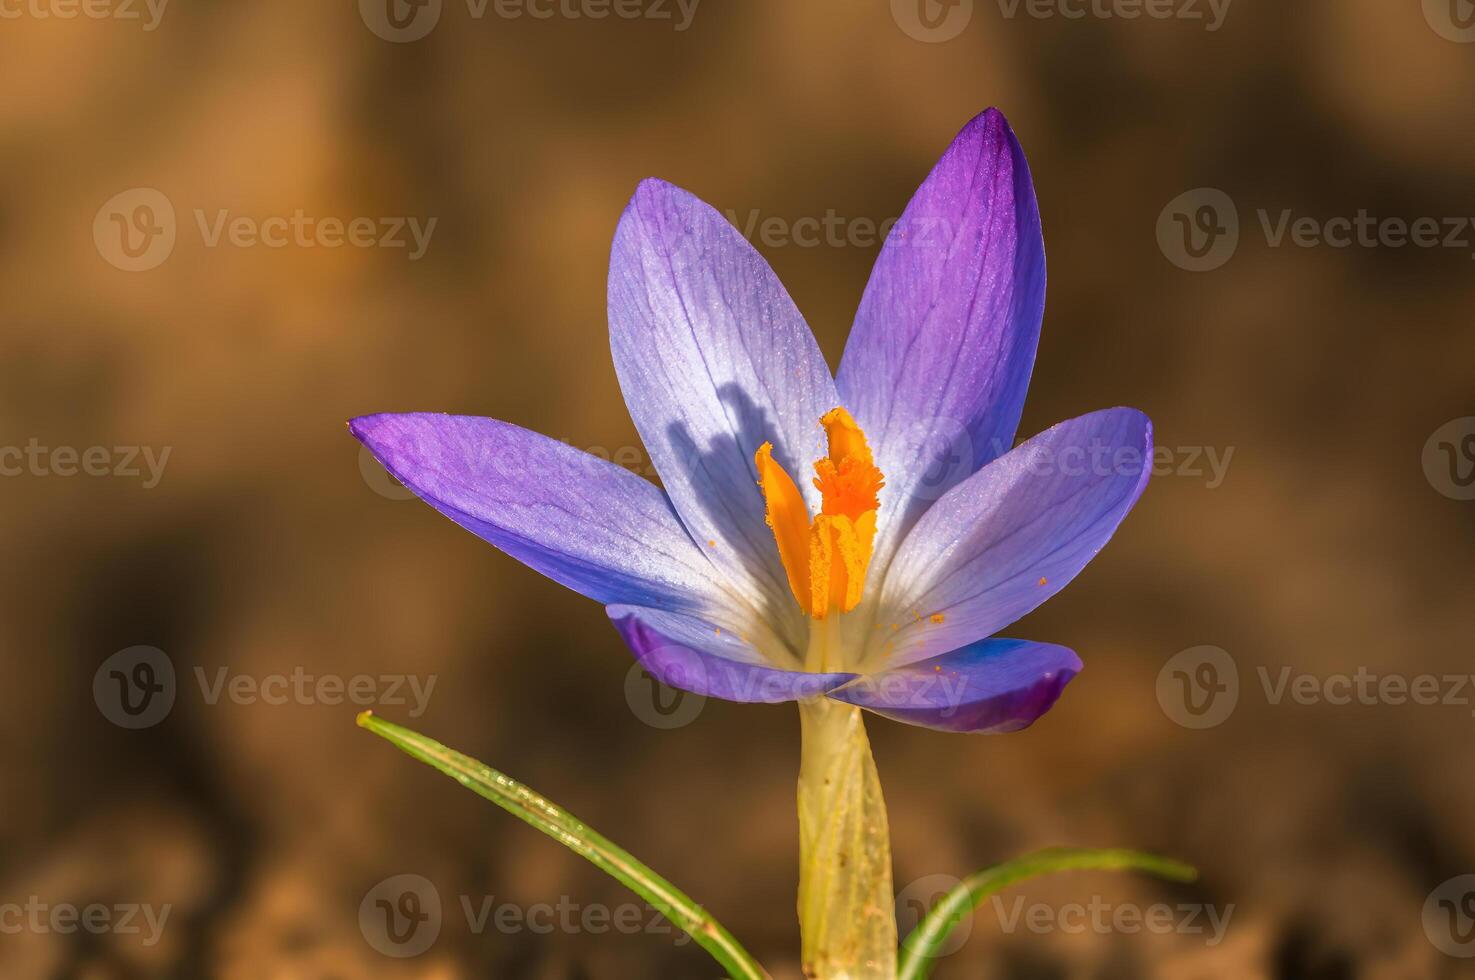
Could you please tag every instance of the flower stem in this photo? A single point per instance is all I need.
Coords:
(846, 906)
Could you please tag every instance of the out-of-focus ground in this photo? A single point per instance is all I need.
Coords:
(1322, 548)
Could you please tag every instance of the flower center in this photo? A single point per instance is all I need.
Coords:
(826, 558)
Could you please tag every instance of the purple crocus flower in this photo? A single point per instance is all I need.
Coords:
(881, 582)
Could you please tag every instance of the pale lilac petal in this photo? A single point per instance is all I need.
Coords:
(996, 685)
(939, 359)
(714, 360)
(1014, 533)
(592, 526)
(691, 654)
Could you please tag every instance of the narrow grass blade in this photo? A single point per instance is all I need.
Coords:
(571, 832)
(918, 948)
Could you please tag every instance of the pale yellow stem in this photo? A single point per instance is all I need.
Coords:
(846, 905)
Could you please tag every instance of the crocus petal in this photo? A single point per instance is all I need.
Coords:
(996, 685)
(714, 360)
(938, 362)
(586, 523)
(690, 654)
(1013, 534)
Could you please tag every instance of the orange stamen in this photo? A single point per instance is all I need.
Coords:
(826, 559)
(789, 519)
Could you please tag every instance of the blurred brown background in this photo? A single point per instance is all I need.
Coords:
(263, 549)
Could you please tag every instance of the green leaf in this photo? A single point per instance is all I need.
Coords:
(553, 820)
(918, 948)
